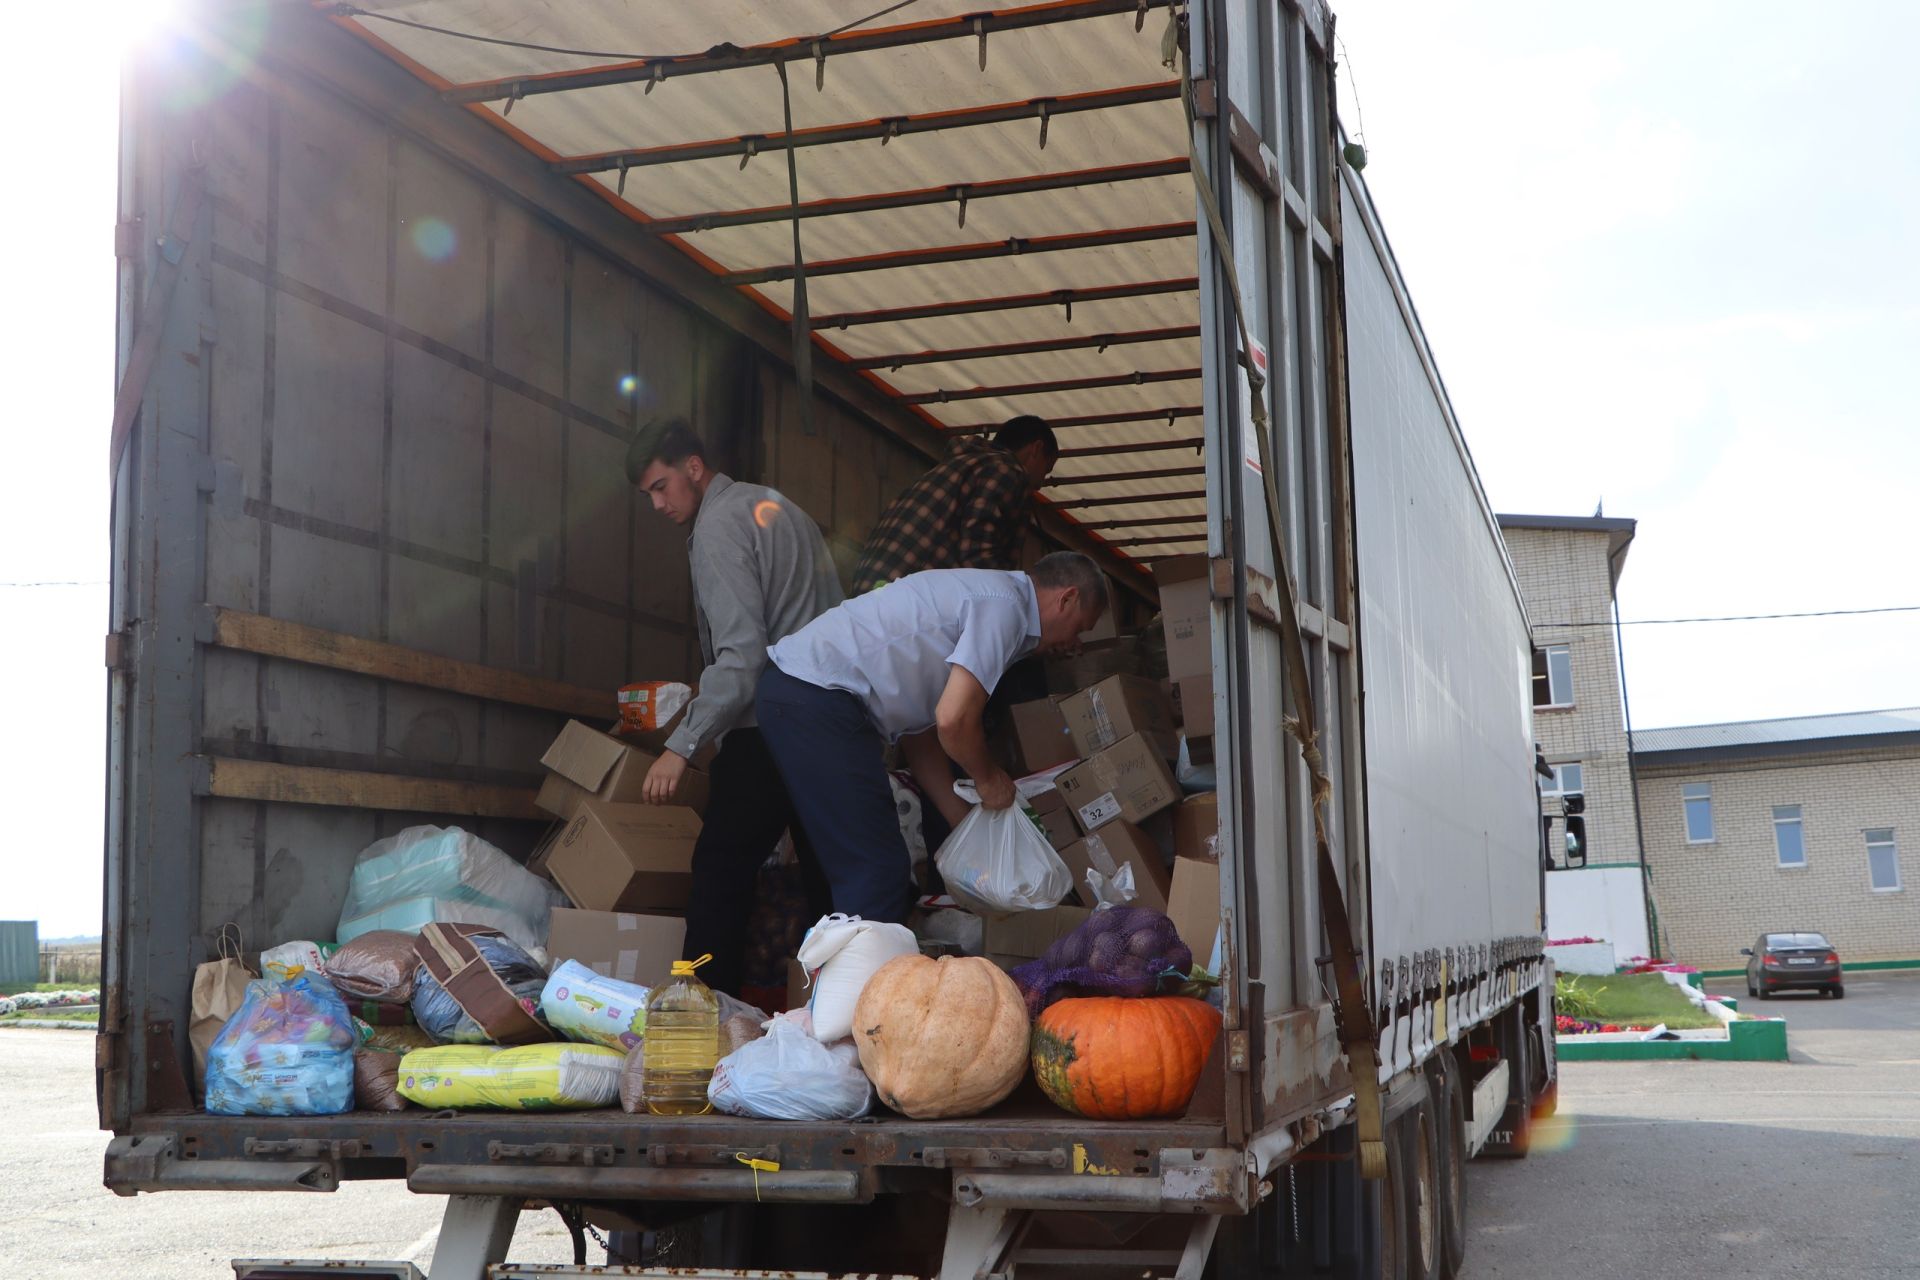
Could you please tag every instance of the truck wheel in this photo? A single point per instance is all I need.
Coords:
(1423, 1153)
(1451, 1111)
(1386, 1201)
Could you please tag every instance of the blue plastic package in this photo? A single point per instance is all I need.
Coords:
(288, 1051)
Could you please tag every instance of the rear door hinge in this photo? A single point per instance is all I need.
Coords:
(126, 238)
(1239, 1051)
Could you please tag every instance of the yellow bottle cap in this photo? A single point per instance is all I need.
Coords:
(685, 968)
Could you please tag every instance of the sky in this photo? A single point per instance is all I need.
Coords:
(1663, 265)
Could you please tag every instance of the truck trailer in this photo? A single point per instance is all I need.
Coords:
(397, 284)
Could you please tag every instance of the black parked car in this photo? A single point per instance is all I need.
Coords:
(1793, 962)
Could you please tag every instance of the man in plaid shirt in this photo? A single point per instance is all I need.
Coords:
(970, 512)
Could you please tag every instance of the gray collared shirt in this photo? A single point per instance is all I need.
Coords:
(891, 648)
(760, 572)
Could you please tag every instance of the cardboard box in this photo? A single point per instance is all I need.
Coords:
(585, 764)
(1196, 820)
(1114, 708)
(1194, 906)
(1116, 845)
(1128, 780)
(1026, 935)
(1186, 613)
(1040, 733)
(632, 948)
(1092, 664)
(626, 857)
(1193, 703)
(797, 990)
(1060, 827)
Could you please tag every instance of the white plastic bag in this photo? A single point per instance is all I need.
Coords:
(284, 958)
(787, 1074)
(996, 861)
(839, 954)
(1115, 890)
(432, 874)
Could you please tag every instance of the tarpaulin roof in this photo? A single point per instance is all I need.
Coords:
(980, 170)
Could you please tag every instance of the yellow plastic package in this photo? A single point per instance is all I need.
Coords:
(533, 1077)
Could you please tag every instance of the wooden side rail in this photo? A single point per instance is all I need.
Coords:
(354, 789)
(274, 638)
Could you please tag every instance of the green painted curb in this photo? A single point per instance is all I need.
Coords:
(1862, 966)
(1746, 1042)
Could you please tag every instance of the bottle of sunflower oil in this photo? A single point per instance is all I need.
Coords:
(681, 1039)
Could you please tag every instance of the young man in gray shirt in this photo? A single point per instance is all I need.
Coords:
(760, 572)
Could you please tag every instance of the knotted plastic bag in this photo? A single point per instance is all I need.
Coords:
(997, 862)
(789, 1075)
(1121, 951)
(288, 1051)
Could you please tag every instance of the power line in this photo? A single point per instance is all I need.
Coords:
(1740, 617)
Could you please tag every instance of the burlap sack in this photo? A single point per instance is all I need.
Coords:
(376, 1081)
(375, 966)
(218, 988)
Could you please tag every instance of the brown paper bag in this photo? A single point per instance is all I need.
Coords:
(218, 988)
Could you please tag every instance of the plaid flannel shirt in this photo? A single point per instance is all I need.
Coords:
(969, 512)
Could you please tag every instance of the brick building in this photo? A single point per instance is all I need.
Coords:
(1569, 568)
(1770, 825)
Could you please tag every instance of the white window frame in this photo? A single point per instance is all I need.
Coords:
(1557, 789)
(1892, 845)
(1798, 820)
(1555, 703)
(1686, 799)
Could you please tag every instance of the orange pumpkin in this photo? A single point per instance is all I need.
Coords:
(1121, 1057)
(939, 1038)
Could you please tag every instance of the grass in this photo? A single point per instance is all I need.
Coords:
(1643, 999)
(31, 1016)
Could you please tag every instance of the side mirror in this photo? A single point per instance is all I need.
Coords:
(1746, 951)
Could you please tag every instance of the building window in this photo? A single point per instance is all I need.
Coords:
(1553, 676)
(1698, 799)
(1883, 860)
(1566, 781)
(1789, 840)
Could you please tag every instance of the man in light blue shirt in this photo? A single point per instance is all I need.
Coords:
(913, 662)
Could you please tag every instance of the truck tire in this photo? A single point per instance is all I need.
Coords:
(1422, 1152)
(1451, 1110)
(1322, 1222)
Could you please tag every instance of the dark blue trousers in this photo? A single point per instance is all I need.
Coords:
(834, 763)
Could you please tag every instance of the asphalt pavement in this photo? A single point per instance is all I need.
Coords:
(1799, 1169)
(61, 1224)
(1806, 1168)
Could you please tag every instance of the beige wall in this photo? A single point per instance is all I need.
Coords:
(1715, 898)
(1564, 579)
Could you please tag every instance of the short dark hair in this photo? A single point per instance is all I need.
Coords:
(668, 440)
(1063, 569)
(1024, 430)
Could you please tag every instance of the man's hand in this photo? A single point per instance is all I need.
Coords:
(663, 780)
(996, 789)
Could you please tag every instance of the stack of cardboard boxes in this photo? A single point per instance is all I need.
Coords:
(1119, 738)
(1112, 739)
(627, 866)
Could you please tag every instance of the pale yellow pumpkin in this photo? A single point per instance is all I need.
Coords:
(940, 1038)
